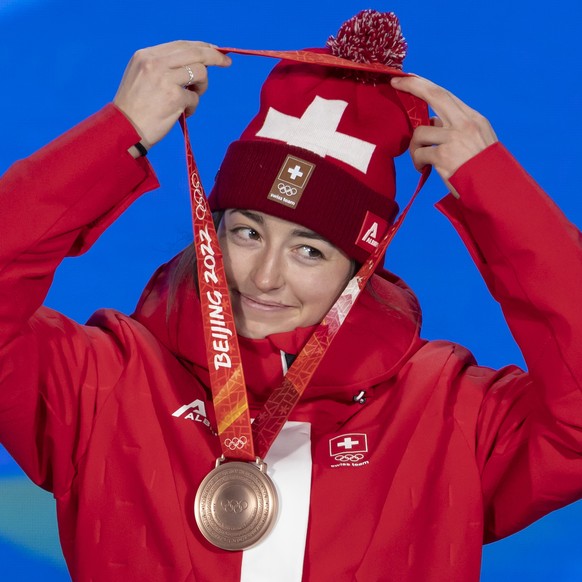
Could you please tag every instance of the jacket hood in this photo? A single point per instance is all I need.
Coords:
(375, 341)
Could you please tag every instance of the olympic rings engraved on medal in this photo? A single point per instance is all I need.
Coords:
(349, 457)
(198, 195)
(234, 505)
(235, 442)
(286, 190)
(229, 482)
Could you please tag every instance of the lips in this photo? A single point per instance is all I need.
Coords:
(261, 304)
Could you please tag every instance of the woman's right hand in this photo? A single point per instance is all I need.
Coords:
(162, 82)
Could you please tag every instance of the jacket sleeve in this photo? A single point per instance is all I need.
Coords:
(54, 204)
(528, 434)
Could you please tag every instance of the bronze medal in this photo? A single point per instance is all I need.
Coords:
(236, 505)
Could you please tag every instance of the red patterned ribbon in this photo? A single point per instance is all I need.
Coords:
(229, 394)
(239, 439)
(318, 59)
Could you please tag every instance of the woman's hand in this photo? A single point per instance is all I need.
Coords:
(162, 82)
(457, 132)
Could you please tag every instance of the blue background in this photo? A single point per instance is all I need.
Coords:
(516, 62)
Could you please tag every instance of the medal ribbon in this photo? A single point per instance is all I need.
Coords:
(229, 395)
(238, 438)
(316, 58)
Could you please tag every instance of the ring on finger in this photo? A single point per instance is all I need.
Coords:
(190, 75)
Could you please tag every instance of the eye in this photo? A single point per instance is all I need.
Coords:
(245, 233)
(310, 253)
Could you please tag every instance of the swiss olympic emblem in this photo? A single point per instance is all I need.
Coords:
(349, 450)
(291, 181)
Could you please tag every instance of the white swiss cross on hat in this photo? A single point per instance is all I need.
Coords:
(316, 131)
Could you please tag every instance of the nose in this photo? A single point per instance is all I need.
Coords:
(267, 274)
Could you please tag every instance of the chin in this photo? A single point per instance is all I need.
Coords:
(261, 330)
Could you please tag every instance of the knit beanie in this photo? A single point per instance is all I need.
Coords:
(320, 152)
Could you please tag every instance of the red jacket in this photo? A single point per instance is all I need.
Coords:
(114, 417)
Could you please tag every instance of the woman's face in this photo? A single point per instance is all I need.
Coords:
(280, 274)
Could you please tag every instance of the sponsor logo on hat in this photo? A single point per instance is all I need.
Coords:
(372, 231)
(291, 181)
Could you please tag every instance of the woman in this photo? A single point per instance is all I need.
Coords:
(402, 456)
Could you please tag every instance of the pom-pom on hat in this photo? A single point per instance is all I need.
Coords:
(320, 150)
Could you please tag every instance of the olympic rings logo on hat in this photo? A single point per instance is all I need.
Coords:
(286, 190)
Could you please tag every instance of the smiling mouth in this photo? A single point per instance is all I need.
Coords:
(260, 304)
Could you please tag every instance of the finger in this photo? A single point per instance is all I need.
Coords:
(423, 156)
(424, 136)
(430, 135)
(447, 106)
(192, 100)
(183, 52)
(178, 54)
(193, 77)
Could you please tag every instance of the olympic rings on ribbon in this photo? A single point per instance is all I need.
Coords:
(235, 443)
(198, 197)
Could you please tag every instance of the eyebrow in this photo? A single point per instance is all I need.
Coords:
(309, 234)
(299, 232)
(249, 214)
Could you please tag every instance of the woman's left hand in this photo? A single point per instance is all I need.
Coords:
(457, 133)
